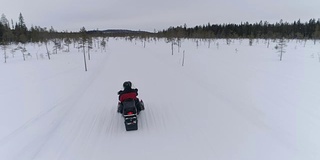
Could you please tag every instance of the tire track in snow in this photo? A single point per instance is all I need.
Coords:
(112, 124)
(85, 116)
(49, 120)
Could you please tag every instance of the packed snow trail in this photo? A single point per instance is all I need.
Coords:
(189, 114)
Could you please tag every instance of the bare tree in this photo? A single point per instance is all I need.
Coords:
(56, 45)
(45, 38)
(173, 42)
(67, 42)
(183, 57)
(23, 51)
(4, 48)
(280, 47)
(103, 44)
(83, 41)
(46, 44)
(89, 47)
(250, 42)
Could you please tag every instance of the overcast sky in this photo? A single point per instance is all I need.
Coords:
(150, 15)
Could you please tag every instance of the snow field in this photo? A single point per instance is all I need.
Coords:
(227, 102)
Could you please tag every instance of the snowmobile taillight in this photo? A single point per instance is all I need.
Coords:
(130, 113)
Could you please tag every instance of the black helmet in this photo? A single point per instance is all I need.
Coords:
(127, 85)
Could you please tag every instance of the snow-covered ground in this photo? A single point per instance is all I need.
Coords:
(227, 102)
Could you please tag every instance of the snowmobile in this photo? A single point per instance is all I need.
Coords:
(129, 111)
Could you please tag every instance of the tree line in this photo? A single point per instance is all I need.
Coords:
(295, 30)
(18, 32)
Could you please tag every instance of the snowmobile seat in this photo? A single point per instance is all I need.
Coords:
(129, 105)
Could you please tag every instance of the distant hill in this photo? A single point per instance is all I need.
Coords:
(118, 31)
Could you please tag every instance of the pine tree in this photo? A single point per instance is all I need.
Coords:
(316, 34)
(21, 30)
(6, 35)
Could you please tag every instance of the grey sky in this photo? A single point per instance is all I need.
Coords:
(148, 15)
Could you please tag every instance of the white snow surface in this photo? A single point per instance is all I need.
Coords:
(228, 102)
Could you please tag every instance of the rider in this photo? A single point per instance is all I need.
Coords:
(129, 93)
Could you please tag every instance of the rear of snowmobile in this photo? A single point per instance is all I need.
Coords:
(130, 115)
